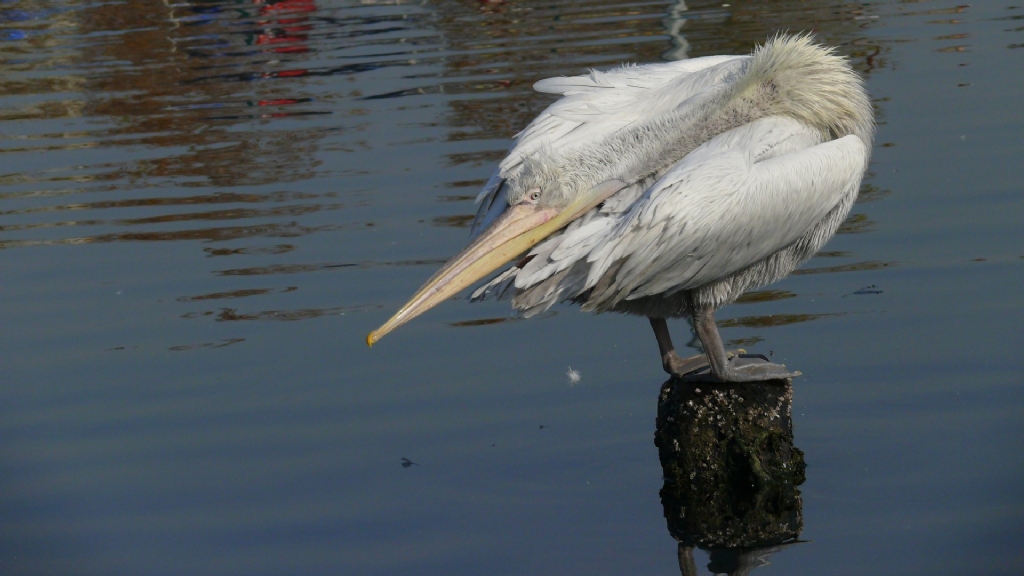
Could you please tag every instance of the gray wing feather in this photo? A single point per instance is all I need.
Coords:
(718, 210)
(713, 213)
(595, 106)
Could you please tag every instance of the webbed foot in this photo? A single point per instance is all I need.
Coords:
(680, 367)
(743, 368)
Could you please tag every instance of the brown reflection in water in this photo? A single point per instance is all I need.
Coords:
(568, 38)
(856, 224)
(237, 294)
(744, 341)
(512, 45)
(764, 296)
(215, 198)
(232, 314)
(286, 230)
(460, 197)
(456, 221)
(302, 268)
(226, 295)
(855, 267)
(276, 249)
(478, 158)
(773, 320)
(219, 344)
(150, 78)
(834, 254)
(279, 269)
(870, 193)
(152, 93)
(834, 23)
(483, 322)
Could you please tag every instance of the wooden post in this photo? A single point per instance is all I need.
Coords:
(731, 471)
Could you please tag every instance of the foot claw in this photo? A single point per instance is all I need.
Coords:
(676, 366)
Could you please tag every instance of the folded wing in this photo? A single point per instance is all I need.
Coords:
(715, 212)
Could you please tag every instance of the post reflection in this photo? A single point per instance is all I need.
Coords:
(731, 472)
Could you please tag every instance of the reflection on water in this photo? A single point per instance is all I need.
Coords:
(138, 106)
(731, 472)
(211, 121)
(166, 98)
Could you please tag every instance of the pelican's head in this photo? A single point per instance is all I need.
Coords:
(533, 215)
(548, 179)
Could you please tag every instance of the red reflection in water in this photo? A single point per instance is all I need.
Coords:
(285, 35)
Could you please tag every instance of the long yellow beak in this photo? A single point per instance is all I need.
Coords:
(520, 228)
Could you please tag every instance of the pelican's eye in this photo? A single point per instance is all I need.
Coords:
(531, 197)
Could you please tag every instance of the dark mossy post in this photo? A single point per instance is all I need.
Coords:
(731, 471)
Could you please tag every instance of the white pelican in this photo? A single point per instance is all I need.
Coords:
(668, 190)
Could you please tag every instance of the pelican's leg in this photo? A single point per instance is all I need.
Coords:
(671, 361)
(730, 369)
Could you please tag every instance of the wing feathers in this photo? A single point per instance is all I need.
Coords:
(715, 212)
(752, 200)
(718, 211)
(597, 105)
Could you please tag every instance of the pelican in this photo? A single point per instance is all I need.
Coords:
(668, 190)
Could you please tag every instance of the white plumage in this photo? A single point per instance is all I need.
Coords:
(673, 188)
(715, 211)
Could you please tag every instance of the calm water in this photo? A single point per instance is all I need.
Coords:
(205, 206)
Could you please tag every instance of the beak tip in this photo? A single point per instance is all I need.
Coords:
(372, 338)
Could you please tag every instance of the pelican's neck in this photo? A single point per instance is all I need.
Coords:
(811, 84)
